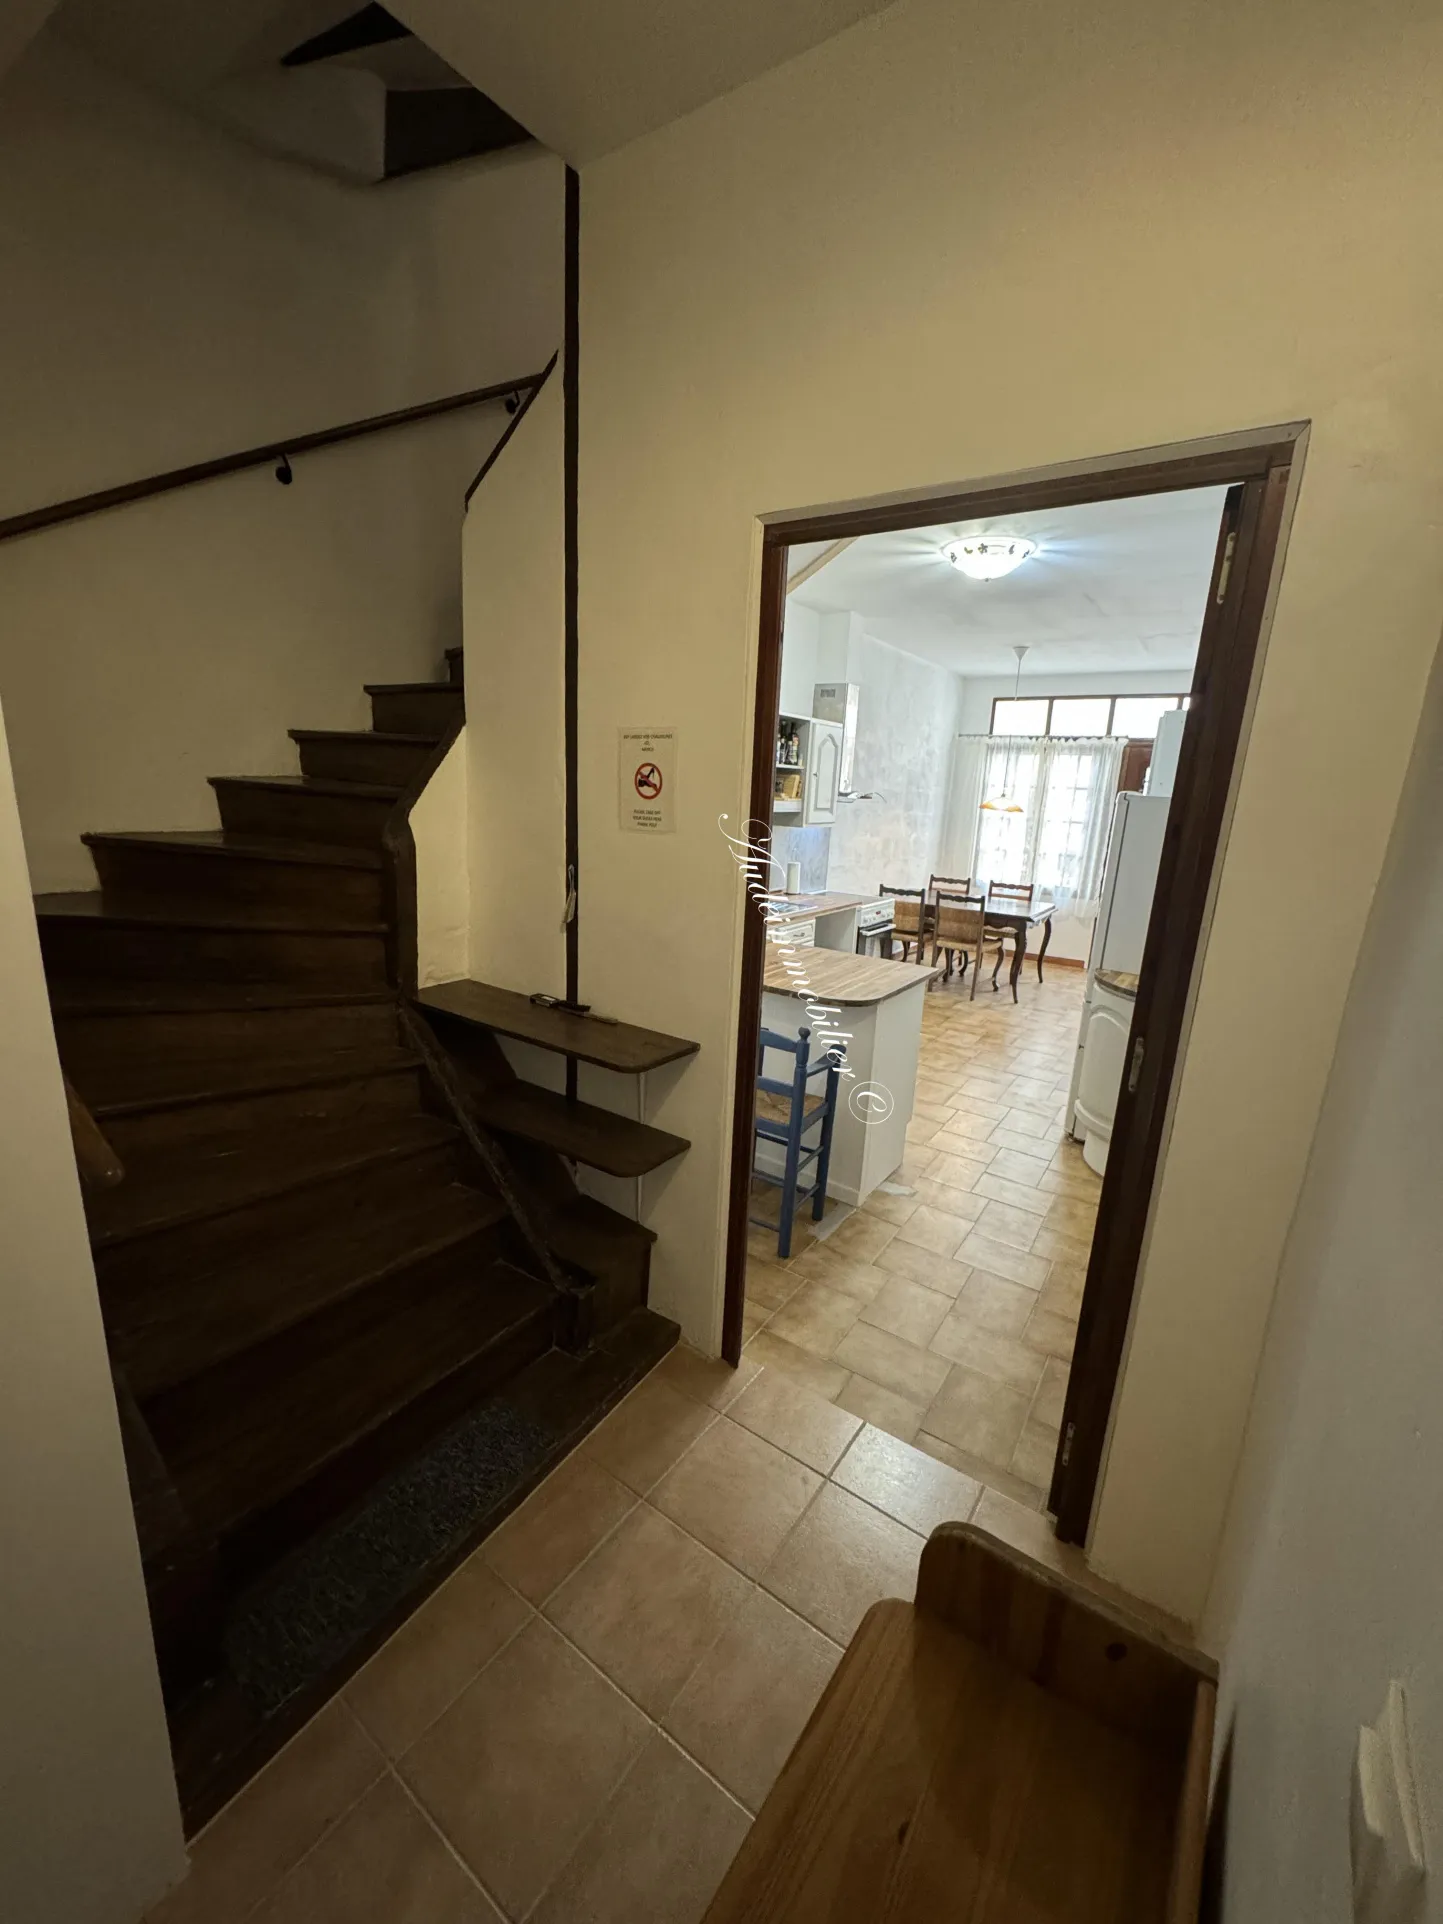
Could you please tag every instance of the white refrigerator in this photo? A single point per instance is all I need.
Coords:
(1134, 849)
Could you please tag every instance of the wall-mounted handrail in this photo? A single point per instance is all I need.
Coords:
(281, 451)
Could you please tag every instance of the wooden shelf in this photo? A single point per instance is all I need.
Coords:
(589, 1038)
(577, 1130)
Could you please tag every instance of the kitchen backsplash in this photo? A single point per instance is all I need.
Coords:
(811, 847)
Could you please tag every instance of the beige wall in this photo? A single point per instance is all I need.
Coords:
(171, 295)
(953, 244)
(440, 827)
(516, 769)
(89, 1828)
(1329, 1580)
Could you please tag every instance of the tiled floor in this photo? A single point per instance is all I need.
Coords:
(579, 1726)
(946, 1315)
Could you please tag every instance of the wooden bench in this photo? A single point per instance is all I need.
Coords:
(1010, 1749)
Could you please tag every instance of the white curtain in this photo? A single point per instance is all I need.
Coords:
(1065, 787)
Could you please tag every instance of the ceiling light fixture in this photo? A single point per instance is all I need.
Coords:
(986, 557)
(1005, 804)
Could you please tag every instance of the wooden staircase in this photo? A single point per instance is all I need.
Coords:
(314, 1263)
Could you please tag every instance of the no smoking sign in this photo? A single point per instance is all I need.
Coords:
(646, 780)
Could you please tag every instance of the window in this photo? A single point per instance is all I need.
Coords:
(1055, 835)
(1133, 716)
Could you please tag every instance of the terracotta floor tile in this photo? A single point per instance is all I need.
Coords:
(1084, 1188)
(1051, 1394)
(769, 1285)
(434, 1655)
(936, 1230)
(884, 1409)
(1005, 1359)
(645, 1434)
(891, 1208)
(909, 1485)
(861, 1237)
(956, 1135)
(989, 1475)
(774, 1353)
(754, 1320)
(843, 1557)
(904, 1368)
(748, 1701)
(523, 1762)
(957, 1171)
(995, 1303)
(1053, 1334)
(918, 1265)
(1062, 1292)
(1017, 1195)
(1036, 1454)
(243, 1853)
(908, 1309)
(648, 1606)
(1005, 1223)
(847, 1275)
(705, 1379)
(1058, 1247)
(382, 1864)
(737, 1494)
(1072, 1218)
(559, 1523)
(657, 1852)
(979, 1415)
(998, 1260)
(785, 1412)
(816, 1319)
(1011, 1165)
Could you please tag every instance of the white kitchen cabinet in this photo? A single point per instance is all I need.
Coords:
(823, 777)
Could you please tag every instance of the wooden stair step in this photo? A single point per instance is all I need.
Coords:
(82, 997)
(167, 1080)
(589, 1038)
(163, 1336)
(592, 1236)
(90, 934)
(416, 707)
(577, 1130)
(285, 806)
(256, 1430)
(367, 1092)
(232, 1170)
(283, 880)
(362, 755)
(144, 1054)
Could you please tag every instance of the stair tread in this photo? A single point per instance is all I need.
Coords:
(578, 1130)
(586, 1231)
(225, 843)
(362, 735)
(166, 1335)
(273, 1418)
(78, 996)
(162, 1081)
(182, 912)
(228, 1169)
(610, 1045)
(311, 785)
(412, 688)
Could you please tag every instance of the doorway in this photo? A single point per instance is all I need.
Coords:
(1252, 478)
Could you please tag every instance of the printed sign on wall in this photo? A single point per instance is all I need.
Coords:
(646, 779)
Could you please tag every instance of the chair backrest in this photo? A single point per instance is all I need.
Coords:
(1012, 892)
(959, 918)
(907, 915)
(962, 883)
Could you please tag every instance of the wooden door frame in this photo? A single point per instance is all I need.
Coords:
(1260, 465)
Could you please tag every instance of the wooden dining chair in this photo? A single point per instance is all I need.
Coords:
(1009, 895)
(960, 929)
(908, 920)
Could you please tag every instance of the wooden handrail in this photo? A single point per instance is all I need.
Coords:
(99, 1166)
(81, 505)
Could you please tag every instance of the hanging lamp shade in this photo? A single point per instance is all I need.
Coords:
(1005, 804)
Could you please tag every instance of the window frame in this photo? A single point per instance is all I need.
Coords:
(1141, 694)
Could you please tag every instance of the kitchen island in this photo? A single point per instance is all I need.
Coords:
(879, 1004)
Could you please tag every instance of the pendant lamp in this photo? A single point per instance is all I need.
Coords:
(1005, 804)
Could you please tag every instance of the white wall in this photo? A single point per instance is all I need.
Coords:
(1332, 1572)
(1166, 224)
(89, 1825)
(440, 828)
(801, 635)
(515, 648)
(171, 295)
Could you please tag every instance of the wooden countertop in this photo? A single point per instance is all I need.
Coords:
(832, 975)
(807, 906)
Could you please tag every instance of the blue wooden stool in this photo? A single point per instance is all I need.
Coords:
(786, 1112)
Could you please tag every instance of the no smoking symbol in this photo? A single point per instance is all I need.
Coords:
(648, 781)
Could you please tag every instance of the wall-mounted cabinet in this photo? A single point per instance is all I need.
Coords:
(808, 773)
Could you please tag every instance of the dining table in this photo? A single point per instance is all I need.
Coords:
(1014, 917)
